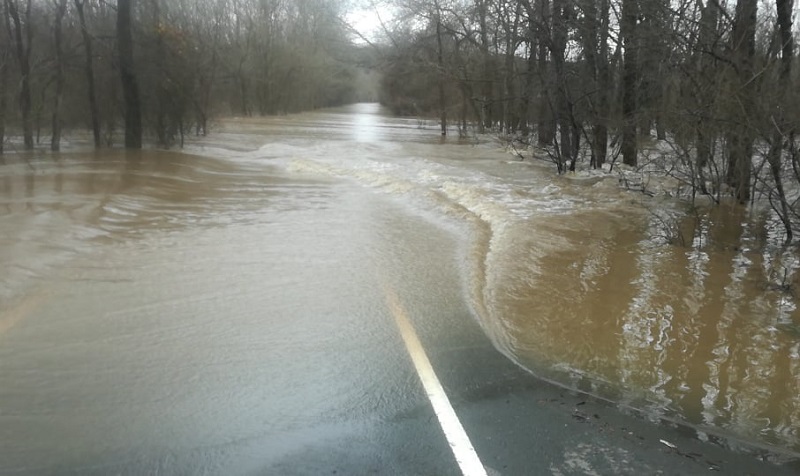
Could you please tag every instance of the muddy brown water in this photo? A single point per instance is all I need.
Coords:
(693, 319)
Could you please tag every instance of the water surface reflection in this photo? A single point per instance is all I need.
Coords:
(707, 333)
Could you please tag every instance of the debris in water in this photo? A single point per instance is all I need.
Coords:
(579, 415)
(668, 444)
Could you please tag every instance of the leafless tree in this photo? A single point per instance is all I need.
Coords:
(60, 7)
(127, 69)
(20, 26)
(91, 91)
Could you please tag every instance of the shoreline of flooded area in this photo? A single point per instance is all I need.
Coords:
(689, 317)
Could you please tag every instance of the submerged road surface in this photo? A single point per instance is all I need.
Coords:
(238, 312)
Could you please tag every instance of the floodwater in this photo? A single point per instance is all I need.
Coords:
(692, 319)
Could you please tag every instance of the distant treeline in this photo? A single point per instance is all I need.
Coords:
(96, 64)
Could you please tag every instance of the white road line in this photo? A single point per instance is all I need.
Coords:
(23, 309)
(465, 454)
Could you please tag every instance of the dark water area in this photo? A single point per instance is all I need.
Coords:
(692, 318)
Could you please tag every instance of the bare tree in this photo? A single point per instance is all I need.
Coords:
(130, 86)
(704, 91)
(783, 129)
(91, 90)
(741, 138)
(546, 127)
(4, 59)
(628, 27)
(58, 39)
(440, 83)
(20, 27)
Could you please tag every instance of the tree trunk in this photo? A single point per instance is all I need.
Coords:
(546, 128)
(61, 10)
(462, 131)
(704, 137)
(162, 107)
(206, 87)
(596, 47)
(440, 64)
(563, 106)
(661, 131)
(130, 86)
(604, 86)
(3, 100)
(511, 28)
(23, 51)
(783, 129)
(487, 83)
(509, 112)
(576, 143)
(243, 92)
(527, 89)
(741, 138)
(89, 72)
(629, 81)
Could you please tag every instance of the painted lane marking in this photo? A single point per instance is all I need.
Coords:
(13, 316)
(465, 454)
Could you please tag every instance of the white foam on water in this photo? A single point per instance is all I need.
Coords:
(453, 188)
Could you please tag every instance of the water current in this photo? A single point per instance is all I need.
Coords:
(688, 316)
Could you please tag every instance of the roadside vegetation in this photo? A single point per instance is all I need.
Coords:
(701, 91)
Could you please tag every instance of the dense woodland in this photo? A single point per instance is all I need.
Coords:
(714, 82)
(164, 68)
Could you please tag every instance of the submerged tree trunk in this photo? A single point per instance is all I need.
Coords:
(23, 51)
(783, 129)
(527, 89)
(546, 128)
(629, 81)
(563, 106)
(510, 119)
(596, 47)
(4, 59)
(708, 36)
(91, 89)
(61, 10)
(162, 106)
(89, 71)
(741, 138)
(130, 87)
(604, 85)
(510, 75)
(440, 64)
(3, 100)
(487, 82)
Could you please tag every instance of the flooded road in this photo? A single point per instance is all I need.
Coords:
(201, 324)
(163, 311)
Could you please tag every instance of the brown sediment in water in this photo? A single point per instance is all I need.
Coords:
(570, 280)
(701, 333)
